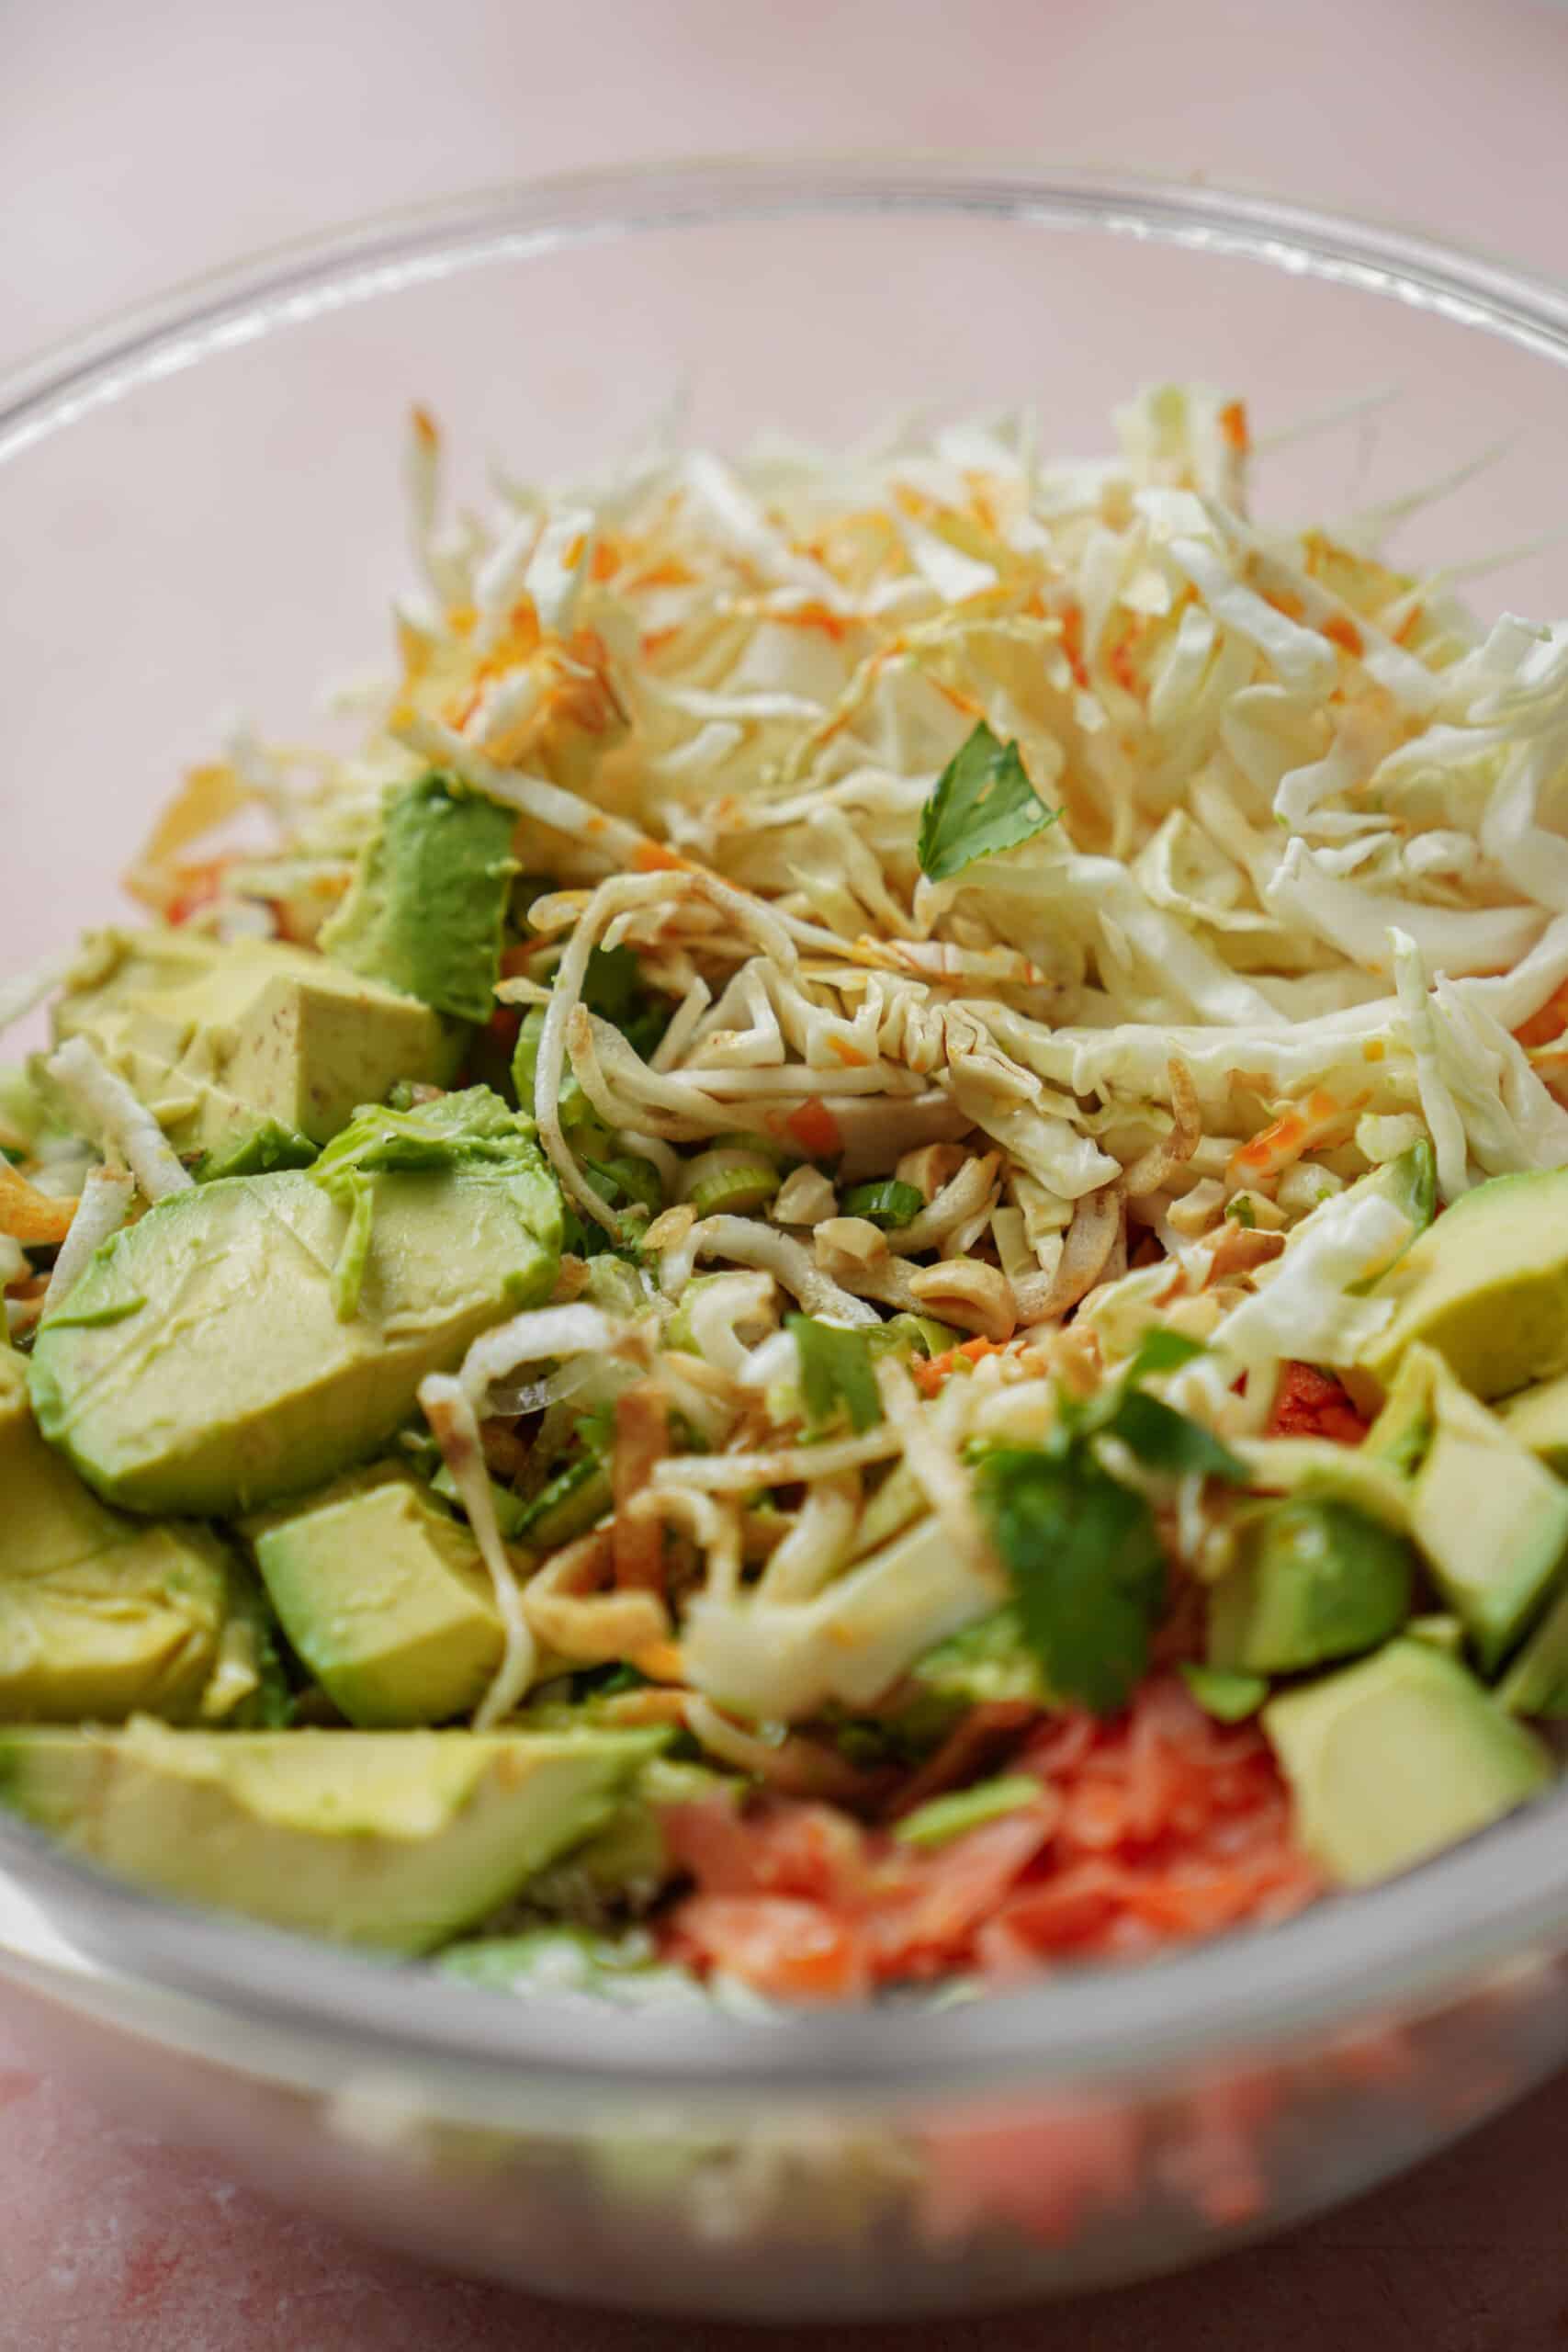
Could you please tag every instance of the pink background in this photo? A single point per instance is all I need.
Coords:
(139, 146)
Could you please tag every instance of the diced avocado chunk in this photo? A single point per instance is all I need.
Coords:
(102, 1617)
(396, 1840)
(1492, 1520)
(1444, 1631)
(234, 1381)
(1536, 1681)
(385, 1597)
(1538, 1419)
(1402, 1433)
(1396, 1757)
(252, 1052)
(425, 908)
(1487, 1286)
(1310, 1581)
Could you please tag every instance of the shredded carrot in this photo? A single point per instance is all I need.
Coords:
(1072, 642)
(1342, 631)
(1233, 425)
(933, 1373)
(1300, 1129)
(850, 1055)
(654, 858)
(832, 625)
(1155, 1827)
(815, 1129)
(195, 887)
(1310, 1402)
(1549, 1024)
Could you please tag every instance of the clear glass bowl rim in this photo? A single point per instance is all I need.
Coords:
(1499, 1899)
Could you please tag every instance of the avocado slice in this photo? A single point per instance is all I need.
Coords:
(1538, 1419)
(1401, 1434)
(102, 1617)
(1536, 1681)
(1396, 1757)
(252, 1046)
(1487, 1286)
(384, 1597)
(1311, 1580)
(396, 1840)
(1492, 1520)
(425, 908)
(217, 1374)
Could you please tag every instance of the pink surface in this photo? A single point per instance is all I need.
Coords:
(137, 147)
(109, 2242)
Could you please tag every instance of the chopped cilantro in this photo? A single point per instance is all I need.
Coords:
(1081, 1549)
(1087, 1568)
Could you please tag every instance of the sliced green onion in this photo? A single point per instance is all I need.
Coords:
(887, 1204)
(729, 1182)
(569, 1506)
(636, 1179)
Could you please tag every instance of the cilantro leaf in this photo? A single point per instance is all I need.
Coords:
(1158, 1351)
(983, 802)
(1164, 1440)
(1086, 1565)
(835, 1372)
(612, 985)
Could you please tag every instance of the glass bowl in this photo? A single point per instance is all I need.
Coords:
(200, 515)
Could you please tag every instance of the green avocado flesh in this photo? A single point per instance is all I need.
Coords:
(1396, 1757)
(101, 1617)
(1492, 1520)
(425, 908)
(384, 1597)
(1538, 1419)
(250, 1040)
(1486, 1286)
(225, 1377)
(395, 1840)
(1312, 1580)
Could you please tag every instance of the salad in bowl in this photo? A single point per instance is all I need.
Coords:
(848, 1274)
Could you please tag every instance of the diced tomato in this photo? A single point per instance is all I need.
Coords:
(1310, 1402)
